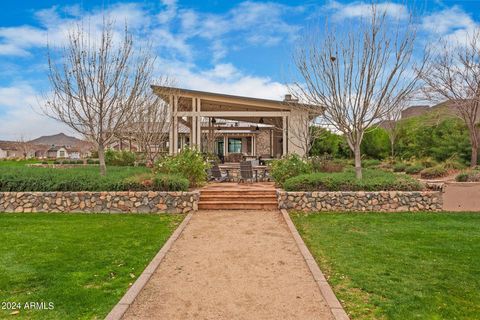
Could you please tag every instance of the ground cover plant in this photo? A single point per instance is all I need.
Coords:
(399, 266)
(83, 179)
(83, 263)
(374, 180)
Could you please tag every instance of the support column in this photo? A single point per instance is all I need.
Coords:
(284, 135)
(175, 125)
(193, 130)
(198, 105)
(171, 115)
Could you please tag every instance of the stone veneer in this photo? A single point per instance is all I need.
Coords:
(110, 202)
(386, 201)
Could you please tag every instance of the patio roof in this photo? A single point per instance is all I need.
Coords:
(165, 91)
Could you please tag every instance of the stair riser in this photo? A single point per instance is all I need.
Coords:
(228, 199)
(226, 206)
(238, 193)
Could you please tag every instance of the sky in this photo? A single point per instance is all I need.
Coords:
(234, 47)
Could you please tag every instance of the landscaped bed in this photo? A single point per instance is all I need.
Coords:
(86, 179)
(83, 264)
(373, 180)
(400, 266)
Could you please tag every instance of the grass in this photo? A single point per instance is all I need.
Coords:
(399, 266)
(20, 163)
(83, 263)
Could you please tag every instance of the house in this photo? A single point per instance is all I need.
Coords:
(8, 150)
(57, 152)
(74, 153)
(232, 127)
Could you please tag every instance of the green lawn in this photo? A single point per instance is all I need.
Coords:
(399, 266)
(83, 263)
(20, 163)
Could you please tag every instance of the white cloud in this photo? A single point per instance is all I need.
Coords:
(340, 11)
(20, 114)
(445, 21)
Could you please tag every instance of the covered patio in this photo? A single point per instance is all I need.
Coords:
(234, 125)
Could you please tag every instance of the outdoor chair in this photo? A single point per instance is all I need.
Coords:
(246, 171)
(216, 174)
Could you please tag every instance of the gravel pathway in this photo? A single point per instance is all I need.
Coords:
(232, 265)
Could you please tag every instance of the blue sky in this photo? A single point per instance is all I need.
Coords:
(237, 47)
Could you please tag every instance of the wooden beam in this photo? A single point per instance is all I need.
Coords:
(233, 114)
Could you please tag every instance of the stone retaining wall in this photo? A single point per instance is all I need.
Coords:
(126, 202)
(386, 201)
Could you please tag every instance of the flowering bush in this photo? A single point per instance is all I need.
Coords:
(290, 166)
(189, 163)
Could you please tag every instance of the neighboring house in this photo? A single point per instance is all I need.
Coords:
(8, 151)
(74, 153)
(57, 152)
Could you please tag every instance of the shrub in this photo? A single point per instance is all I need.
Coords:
(414, 169)
(290, 166)
(427, 162)
(325, 164)
(63, 179)
(119, 158)
(433, 172)
(163, 182)
(373, 180)
(453, 163)
(189, 163)
(468, 176)
(158, 182)
(399, 167)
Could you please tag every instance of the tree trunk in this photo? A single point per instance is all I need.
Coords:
(358, 161)
(474, 158)
(101, 158)
(392, 147)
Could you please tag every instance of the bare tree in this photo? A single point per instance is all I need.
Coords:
(359, 75)
(149, 126)
(98, 83)
(391, 124)
(23, 146)
(453, 74)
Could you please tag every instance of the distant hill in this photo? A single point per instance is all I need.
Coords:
(60, 139)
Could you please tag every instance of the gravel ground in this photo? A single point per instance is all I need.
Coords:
(232, 265)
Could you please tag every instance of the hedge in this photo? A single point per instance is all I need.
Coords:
(20, 179)
(373, 180)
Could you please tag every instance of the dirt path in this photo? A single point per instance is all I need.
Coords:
(232, 265)
(462, 197)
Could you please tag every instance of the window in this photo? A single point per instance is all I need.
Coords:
(62, 154)
(234, 145)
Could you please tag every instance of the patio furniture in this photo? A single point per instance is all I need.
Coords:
(246, 171)
(234, 157)
(216, 174)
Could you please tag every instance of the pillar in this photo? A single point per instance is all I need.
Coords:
(284, 135)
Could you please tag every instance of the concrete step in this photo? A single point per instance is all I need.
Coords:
(233, 205)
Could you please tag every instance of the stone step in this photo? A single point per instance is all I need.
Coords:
(232, 205)
(239, 192)
(229, 197)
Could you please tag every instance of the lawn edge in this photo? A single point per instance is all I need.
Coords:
(122, 306)
(329, 296)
